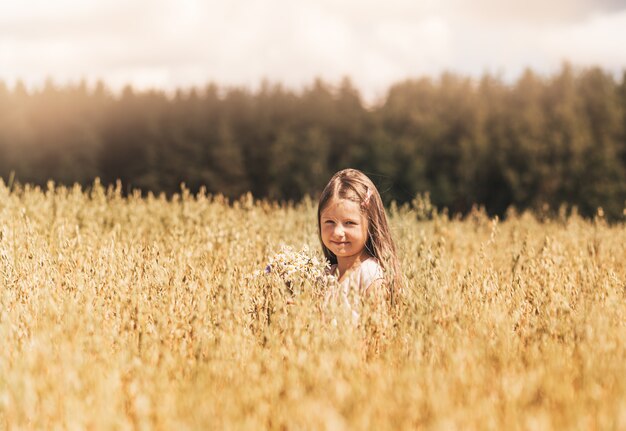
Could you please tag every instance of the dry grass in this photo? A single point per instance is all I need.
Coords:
(135, 314)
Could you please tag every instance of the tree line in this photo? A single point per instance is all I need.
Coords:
(541, 141)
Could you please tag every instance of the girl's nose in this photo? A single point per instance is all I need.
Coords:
(339, 230)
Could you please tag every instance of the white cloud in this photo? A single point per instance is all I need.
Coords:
(599, 40)
(168, 43)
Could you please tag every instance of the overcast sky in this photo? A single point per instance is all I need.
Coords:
(180, 43)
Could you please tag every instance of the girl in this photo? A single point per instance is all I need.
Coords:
(355, 237)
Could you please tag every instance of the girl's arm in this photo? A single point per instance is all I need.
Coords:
(372, 279)
(375, 288)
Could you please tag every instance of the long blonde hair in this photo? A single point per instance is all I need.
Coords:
(354, 185)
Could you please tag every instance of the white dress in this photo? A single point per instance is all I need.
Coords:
(356, 284)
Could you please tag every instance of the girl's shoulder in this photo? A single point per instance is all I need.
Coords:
(371, 271)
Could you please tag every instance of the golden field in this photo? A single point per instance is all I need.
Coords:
(139, 313)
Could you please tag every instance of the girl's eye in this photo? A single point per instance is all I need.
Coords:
(349, 222)
(329, 222)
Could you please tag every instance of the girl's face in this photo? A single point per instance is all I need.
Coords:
(344, 228)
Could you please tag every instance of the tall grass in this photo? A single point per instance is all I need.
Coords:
(137, 313)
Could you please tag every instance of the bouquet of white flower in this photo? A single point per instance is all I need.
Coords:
(298, 267)
(289, 274)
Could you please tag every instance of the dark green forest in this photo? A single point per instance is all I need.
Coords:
(539, 142)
